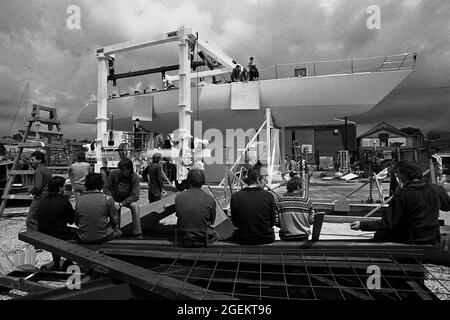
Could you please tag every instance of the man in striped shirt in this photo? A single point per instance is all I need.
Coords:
(295, 213)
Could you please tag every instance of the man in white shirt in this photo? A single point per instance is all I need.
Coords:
(77, 174)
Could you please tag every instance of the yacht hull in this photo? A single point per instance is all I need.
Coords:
(292, 101)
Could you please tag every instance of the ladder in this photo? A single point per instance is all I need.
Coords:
(41, 139)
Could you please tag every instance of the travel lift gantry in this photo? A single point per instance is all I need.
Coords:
(186, 39)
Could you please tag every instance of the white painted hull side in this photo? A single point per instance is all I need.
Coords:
(293, 102)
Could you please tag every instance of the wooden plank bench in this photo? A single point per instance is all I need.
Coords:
(158, 284)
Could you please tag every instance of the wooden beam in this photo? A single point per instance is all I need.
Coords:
(150, 214)
(279, 246)
(347, 219)
(156, 283)
(23, 285)
(342, 288)
(223, 225)
(103, 289)
(317, 226)
(379, 207)
(289, 259)
(356, 190)
(52, 276)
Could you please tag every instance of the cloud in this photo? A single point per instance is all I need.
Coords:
(64, 68)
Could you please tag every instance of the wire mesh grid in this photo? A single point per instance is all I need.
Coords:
(303, 274)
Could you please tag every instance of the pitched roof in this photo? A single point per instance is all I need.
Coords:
(383, 126)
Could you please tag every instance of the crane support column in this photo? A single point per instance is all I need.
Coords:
(269, 149)
(102, 100)
(184, 102)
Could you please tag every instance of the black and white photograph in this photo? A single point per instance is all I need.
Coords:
(224, 158)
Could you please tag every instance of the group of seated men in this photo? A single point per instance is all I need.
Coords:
(249, 73)
(98, 202)
(254, 212)
(412, 216)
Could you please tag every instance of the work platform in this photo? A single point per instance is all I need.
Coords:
(323, 270)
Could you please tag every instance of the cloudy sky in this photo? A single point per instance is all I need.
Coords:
(34, 34)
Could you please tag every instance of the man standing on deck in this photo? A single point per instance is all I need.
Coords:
(123, 186)
(77, 174)
(413, 214)
(39, 190)
(139, 135)
(154, 176)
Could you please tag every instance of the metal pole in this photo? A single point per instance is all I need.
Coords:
(268, 149)
(345, 135)
(102, 108)
(283, 149)
(184, 100)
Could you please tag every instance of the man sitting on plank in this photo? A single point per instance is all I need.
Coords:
(123, 186)
(295, 213)
(413, 214)
(53, 214)
(96, 215)
(196, 212)
(253, 211)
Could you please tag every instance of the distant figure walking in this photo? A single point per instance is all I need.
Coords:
(77, 174)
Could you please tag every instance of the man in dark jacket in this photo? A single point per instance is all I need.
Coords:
(196, 212)
(96, 215)
(253, 212)
(39, 190)
(236, 74)
(123, 186)
(54, 213)
(154, 178)
(413, 214)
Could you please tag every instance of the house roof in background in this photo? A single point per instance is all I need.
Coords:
(383, 126)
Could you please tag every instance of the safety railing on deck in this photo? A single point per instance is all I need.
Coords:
(404, 61)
